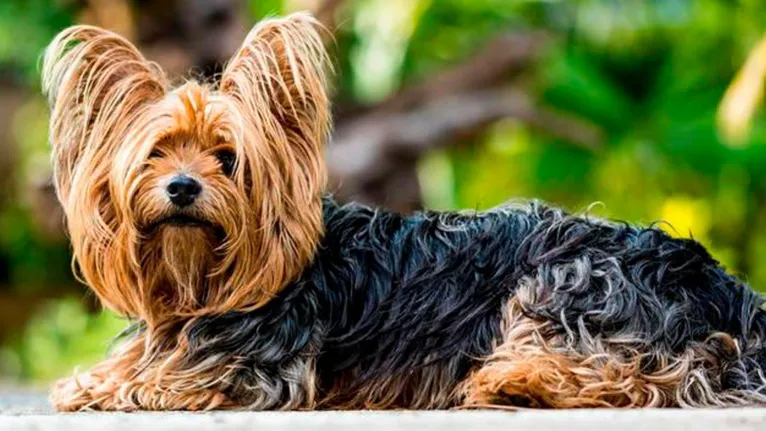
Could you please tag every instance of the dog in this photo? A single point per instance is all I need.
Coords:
(201, 214)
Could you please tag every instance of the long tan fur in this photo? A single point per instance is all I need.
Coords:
(119, 134)
(99, 87)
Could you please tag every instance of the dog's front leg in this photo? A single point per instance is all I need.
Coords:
(100, 387)
(105, 388)
(108, 390)
(86, 391)
(118, 384)
(127, 382)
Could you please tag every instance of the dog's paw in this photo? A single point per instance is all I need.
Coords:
(87, 392)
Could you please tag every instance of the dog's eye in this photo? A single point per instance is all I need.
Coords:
(226, 158)
(155, 154)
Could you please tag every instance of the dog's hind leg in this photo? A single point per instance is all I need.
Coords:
(534, 365)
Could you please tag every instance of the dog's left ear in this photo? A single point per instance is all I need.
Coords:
(278, 82)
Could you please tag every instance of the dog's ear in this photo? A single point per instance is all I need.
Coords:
(278, 81)
(99, 88)
(278, 78)
(96, 83)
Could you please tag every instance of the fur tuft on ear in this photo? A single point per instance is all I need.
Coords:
(98, 86)
(278, 81)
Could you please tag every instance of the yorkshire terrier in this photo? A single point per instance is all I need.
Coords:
(201, 214)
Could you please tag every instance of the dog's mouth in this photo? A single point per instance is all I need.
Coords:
(180, 220)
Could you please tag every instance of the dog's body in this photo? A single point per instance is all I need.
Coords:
(200, 214)
(435, 310)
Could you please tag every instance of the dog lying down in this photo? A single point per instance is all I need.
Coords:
(200, 213)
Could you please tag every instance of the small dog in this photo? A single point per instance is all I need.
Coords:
(200, 213)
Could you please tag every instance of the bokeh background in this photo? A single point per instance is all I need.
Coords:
(638, 110)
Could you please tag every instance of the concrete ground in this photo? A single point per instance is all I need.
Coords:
(20, 411)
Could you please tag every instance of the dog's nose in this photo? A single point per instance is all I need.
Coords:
(182, 190)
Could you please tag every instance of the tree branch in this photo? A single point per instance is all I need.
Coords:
(370, 149)
(500, 60)
(325, 12)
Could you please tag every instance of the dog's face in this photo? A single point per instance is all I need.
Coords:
(194, 200)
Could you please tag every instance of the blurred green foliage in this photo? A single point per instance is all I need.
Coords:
(26, 26)
(62, 338)
(34, 261)
(650, 73)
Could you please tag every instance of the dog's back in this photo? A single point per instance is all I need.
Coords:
(526, 304)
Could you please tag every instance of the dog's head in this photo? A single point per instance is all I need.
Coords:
(198, 199)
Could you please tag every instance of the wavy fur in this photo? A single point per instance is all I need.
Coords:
(262, 294)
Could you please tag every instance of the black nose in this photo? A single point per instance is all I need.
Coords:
(182, 190)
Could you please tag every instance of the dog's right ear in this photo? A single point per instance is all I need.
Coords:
(97, 83)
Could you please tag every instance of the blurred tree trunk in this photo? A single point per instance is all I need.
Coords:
(12, 95)
(180, 35)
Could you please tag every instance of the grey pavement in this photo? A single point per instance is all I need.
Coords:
(24, 411)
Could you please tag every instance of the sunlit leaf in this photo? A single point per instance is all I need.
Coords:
(686, 217)
(743, 96)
